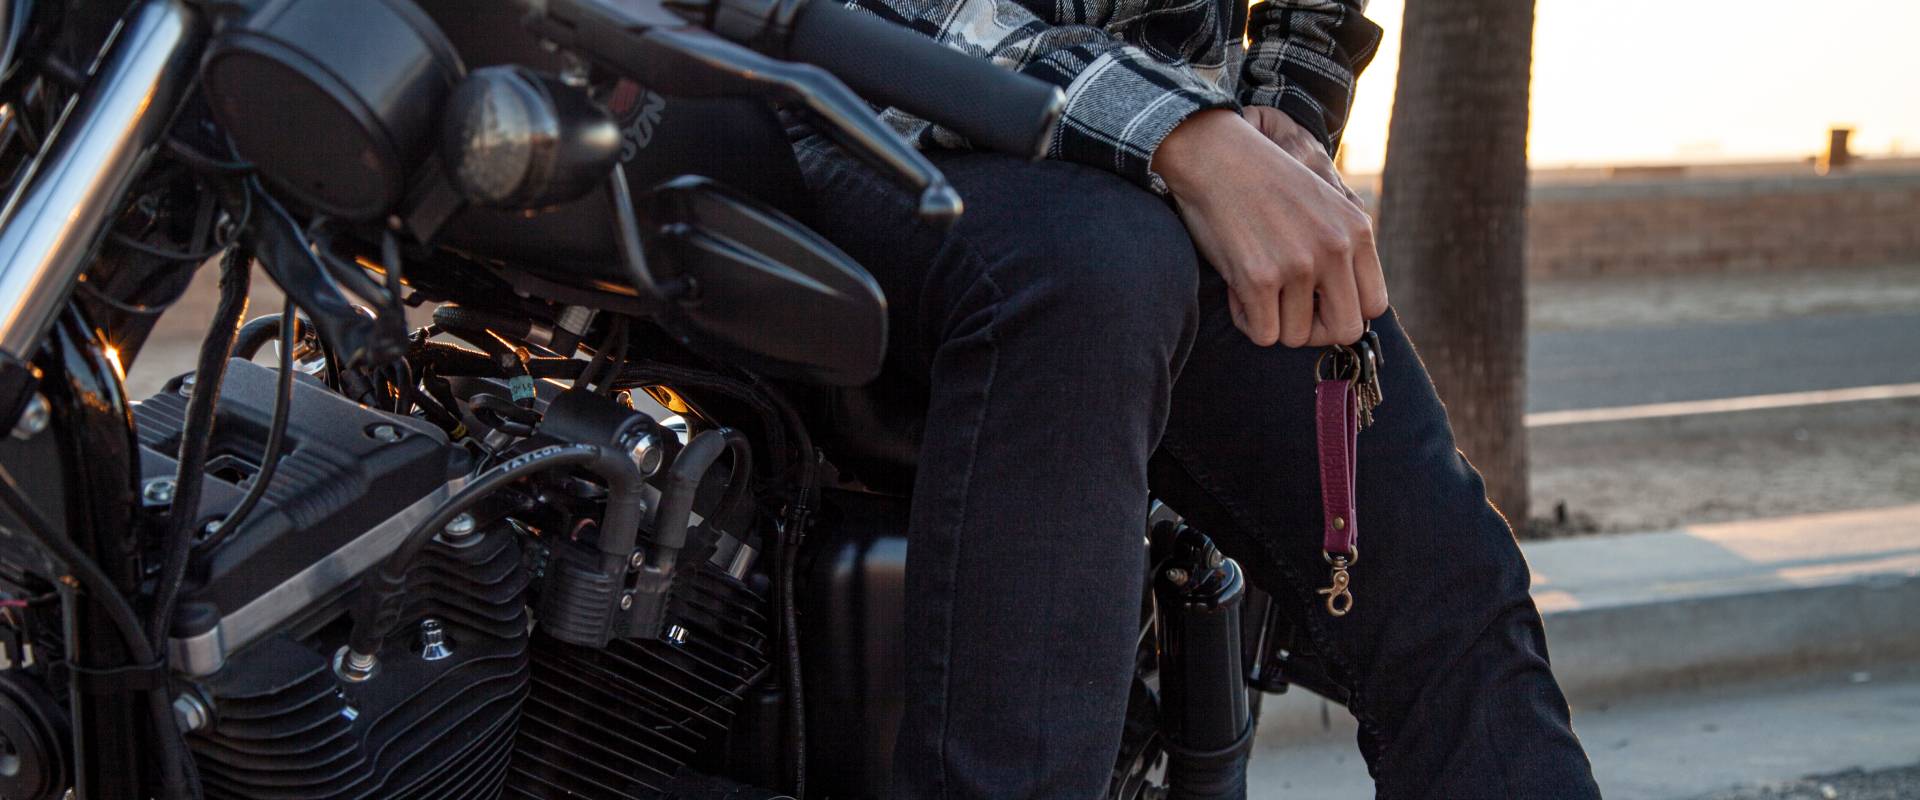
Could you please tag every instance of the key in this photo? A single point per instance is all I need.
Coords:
(1366, 383)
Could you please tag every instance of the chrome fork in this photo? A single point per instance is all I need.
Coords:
(102, 142)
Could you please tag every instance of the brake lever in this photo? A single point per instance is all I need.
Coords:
(653, 46)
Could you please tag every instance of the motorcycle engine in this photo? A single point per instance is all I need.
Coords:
(467, 698)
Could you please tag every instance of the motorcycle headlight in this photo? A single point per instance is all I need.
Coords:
(335, 101)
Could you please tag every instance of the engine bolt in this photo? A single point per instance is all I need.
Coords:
(190, 712)
(384, 432)
(460, 531)
(33, 418)
(354, 667)
(461, 525)
(647, 455)
(1177, 576)
(433, 640)
(626, 602)
(157, 492)
(638, 560)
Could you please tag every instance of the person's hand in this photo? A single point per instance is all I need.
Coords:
(1296, 252)
(1293, 137)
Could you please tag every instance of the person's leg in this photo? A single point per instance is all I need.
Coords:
(1443, 652)
(1051, 321)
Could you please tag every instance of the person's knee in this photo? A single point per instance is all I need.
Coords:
(1117, 255)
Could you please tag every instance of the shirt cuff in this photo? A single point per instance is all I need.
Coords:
(1302, 108)
(1121, 106)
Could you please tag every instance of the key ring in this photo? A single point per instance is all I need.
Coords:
(1344, 359)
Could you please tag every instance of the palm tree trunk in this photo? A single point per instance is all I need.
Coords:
(1453, 221)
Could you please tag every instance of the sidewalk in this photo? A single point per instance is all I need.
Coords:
(1677, 618)
(1737, 599)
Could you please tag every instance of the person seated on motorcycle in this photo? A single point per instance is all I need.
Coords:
(1138, 313)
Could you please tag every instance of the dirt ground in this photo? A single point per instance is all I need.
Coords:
(1663, 473)
(1660, 474)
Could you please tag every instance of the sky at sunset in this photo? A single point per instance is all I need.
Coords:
(1652, 81)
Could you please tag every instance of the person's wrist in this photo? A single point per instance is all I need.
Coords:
(1183, 156)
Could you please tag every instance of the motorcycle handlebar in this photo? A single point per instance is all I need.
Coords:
(992, 107)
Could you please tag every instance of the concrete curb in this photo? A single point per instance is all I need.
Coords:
(1710, 604)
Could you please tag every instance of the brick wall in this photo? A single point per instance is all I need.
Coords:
(1704, 219)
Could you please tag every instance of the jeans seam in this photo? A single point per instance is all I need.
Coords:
(1448, 667)
(959, 521)
(1315, 626)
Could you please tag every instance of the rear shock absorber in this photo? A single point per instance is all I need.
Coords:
(1203, 711)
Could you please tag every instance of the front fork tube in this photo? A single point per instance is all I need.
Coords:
(1203, 692)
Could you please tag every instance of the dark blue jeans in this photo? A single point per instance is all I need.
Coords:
(1076, 355)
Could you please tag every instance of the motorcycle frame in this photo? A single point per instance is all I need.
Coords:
(50, 354)
(53, 359)
(92, 430)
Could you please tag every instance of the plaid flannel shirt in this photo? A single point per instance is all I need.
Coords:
(1132, 70)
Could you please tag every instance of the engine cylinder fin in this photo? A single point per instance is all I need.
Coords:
(621, 722)
(609, 759)
(287, 728)
(601, 718)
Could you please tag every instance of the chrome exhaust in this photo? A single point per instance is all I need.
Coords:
(77, 181)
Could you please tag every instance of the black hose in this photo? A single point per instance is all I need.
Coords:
(255, 335)
(796, 696)
(626, 230)
(390, 258)
(203, 231)
(197, 436)
(96, 582)
(195, 256)
(276, 433)
(799, 515)
(201, 162)
(503, 415)
(446, 358)
(174, 758)
(607, 360)
(621, 342)
(379, 613)
(152, 309)
(434, 411)
(472, 321)
(683, 484)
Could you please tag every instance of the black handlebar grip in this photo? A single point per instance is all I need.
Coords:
(992, 107)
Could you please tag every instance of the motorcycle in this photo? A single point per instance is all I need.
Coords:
(625, 519)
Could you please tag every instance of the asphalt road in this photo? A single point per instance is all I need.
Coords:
(1899, 783)
(1852, 730)
(1603, 368)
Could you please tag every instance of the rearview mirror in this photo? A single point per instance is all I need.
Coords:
(765, 292)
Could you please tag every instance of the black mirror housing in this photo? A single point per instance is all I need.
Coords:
(764, 291)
